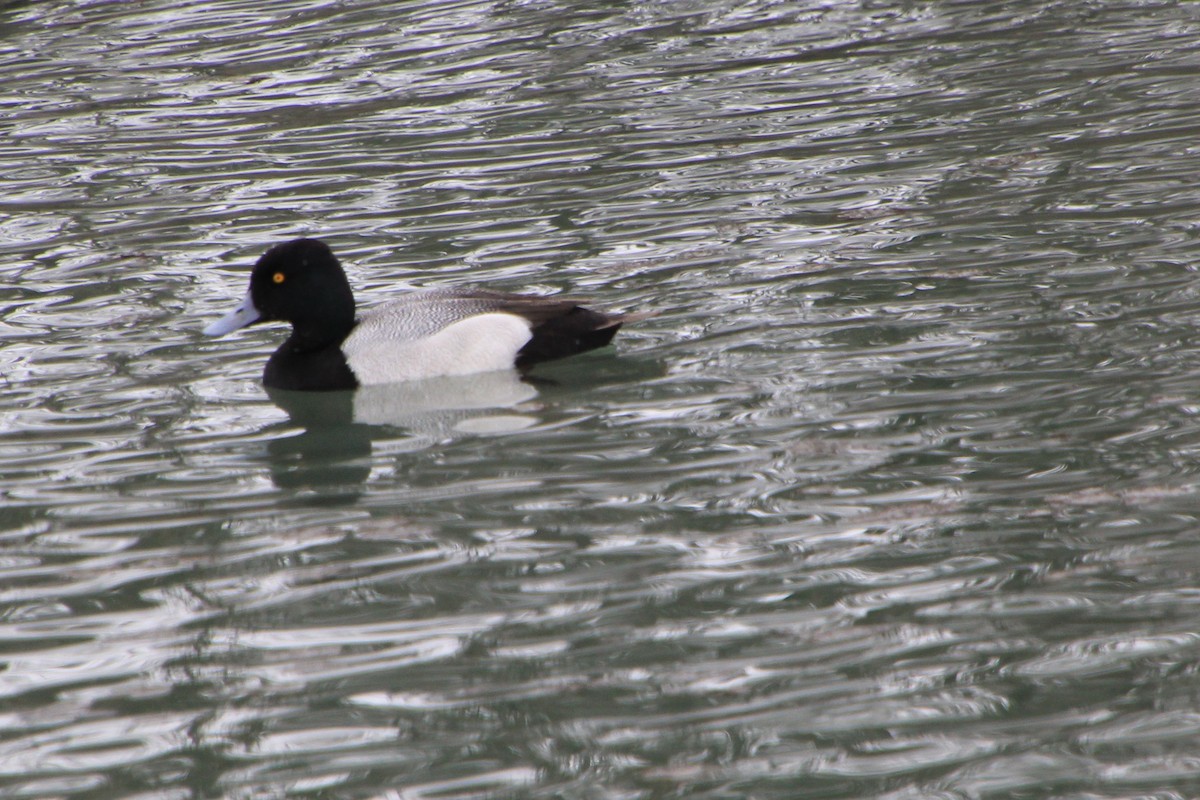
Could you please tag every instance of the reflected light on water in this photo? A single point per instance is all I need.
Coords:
(889, 499)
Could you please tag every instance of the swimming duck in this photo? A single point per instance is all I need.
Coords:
(423, 334)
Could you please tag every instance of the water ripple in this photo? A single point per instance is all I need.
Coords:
(890, 499)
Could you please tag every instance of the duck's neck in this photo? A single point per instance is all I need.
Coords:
(308, 338)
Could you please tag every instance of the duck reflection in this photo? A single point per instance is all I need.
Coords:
(334, 448)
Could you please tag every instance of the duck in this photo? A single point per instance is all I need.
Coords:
(425, 333)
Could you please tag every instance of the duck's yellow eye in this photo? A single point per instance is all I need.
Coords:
(278, 277)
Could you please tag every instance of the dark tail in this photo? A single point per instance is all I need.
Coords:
(579, 330)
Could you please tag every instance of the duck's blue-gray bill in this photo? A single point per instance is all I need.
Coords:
(240, 317)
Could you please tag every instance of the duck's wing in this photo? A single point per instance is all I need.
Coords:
(423, 313)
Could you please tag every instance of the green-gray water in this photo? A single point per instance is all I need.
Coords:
(895, 497)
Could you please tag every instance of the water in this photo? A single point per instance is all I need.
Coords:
(894, 497)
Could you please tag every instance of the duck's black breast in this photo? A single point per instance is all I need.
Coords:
(323, 369)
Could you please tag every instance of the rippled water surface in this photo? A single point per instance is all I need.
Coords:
(894, 497)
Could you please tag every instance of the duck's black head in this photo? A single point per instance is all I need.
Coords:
(302, 282)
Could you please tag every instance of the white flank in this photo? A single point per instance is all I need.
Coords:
(481, 343)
